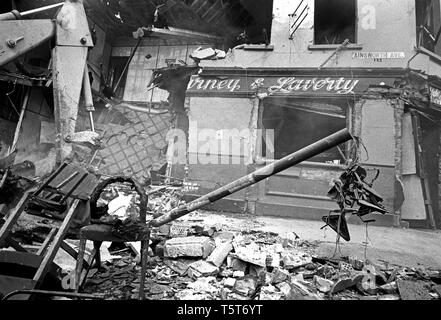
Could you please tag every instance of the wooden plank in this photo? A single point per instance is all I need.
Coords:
(83, 191)
(50, 255)
(421, 169)
(15, 245)
(46, 242)
(12, 219)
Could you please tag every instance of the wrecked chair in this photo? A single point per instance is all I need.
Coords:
(114, 230)
(68, 195)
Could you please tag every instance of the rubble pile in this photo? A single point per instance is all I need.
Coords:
(190, 259)
(194, 261)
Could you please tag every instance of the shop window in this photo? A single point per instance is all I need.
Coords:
(428, 20)
(298, 123)
(334, 21)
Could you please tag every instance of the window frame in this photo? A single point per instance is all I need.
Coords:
(350, 109)
(351, 45)
(420, 34)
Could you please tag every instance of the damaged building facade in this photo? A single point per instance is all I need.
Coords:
(293, 74)
(371, 66)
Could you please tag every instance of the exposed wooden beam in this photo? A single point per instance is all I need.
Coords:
(175, 32)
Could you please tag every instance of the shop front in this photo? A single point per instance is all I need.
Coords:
(243, 120)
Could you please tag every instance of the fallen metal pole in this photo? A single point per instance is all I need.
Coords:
(54, 293)
(259, 175)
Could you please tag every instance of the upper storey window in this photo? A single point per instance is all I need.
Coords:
(334, 21)
(428, 22)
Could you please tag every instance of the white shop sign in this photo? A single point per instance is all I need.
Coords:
(378, 55)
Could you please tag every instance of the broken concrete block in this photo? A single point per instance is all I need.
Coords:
(268, 278)
(164, 230)
(345, 266)
(178, 231)
(284, 287)
(223, 236)
(218, 256)
(229, 283)
(238, 274)
(299, 277)
(158, 288)
(177, 266)
(322, 284)
(280, 275)
(238, 297)
(251, 254)
(202, 54)
(202, 268)
(206, 285)
(188, 247)
(204, 230)
(380, 277)
(413, 290)
(236, 264)
(311, 266)
(300, 291)
(270, 293)
(256, 271)
(245, 286)
(226, 273)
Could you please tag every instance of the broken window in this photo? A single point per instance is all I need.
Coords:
(428, 20)
(297, 123)
(334, 21)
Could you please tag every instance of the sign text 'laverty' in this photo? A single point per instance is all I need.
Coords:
(274, 85)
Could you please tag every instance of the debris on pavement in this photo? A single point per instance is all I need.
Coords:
(209, 261)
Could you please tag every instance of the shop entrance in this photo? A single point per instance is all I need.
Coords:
(289, 125)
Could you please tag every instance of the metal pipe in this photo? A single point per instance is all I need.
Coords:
(344, 44)
(29, 12)
(15, 15)
(54, 293)
(20, 120)
(259, 175)
(88, 99)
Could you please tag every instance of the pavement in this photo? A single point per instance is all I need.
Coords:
(396, 246)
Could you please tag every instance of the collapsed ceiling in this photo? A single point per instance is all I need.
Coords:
(237, 21)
